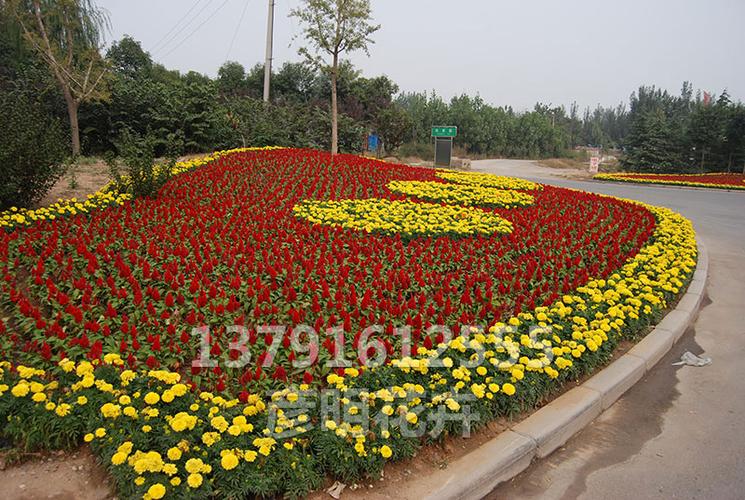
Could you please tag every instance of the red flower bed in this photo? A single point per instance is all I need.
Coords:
(220, 246)
(722, 181)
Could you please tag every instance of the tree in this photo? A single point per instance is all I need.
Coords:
(128, 59)
(32, 148)
(650, 144)
(295, 82)
(333, 27)
(67, 35)
(231, 79)
(394, 126)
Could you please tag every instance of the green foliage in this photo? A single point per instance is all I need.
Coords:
(486, 130)
(394, 126)
(679, 133)
(141, 176)
(127, 58)
(32, 150)
(651, 143)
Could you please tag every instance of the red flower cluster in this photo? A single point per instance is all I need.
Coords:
(219, 246)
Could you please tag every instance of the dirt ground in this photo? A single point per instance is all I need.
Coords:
(59, 476)
(86, 178)
(90, 175)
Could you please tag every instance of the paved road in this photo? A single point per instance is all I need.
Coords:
(680, 432)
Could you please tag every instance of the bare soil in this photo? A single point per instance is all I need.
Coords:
(78, 182)
(59, 476)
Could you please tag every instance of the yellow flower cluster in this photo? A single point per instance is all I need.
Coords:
(404, 217)
(461, 194)
(487, 180)
(106, 196)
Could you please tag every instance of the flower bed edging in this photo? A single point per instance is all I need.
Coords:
(504, 457)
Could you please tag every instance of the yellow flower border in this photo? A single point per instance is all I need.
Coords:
(461, 194)
(624, 177)
(487, 180)
(402, 217)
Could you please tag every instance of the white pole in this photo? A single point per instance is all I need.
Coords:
(269, 40)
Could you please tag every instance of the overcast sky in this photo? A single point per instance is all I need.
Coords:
(510, 52)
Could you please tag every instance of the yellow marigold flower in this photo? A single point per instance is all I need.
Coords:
(168, 396)
(67, 365)
(39, 397)
(20, 390)
(88, 437)
(194, 480)
(412, 417)
(194, 465)
(386, 451)
(127, 376)
(118, 458)
(176, 481)
(63, 410)
(152, 398)
(210, 438)
(156, 491)
(174, 454)
(100, 432)
(517, 373)
(82, 400)
(508, 389)
(183, 421)
(250, 455)
(125, 447)
(219, 423)
(110, 410)
(229, 461)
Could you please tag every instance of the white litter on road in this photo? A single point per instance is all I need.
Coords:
(690, 359)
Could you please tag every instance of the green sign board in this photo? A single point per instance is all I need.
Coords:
(444, 131)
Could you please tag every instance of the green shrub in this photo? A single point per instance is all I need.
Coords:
(32, 150)
(425, 151)
(135, 170)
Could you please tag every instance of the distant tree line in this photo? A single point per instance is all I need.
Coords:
(684, 133)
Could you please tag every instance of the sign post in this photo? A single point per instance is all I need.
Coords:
(443, 136)
(594, 164)
(373, 144)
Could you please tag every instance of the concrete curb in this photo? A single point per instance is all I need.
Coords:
(504, 457)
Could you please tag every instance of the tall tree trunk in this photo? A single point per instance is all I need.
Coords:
(334, 108)
(72, 112)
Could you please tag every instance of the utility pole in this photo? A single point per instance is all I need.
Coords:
(269, 41)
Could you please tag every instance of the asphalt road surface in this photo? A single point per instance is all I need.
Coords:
(680, 432)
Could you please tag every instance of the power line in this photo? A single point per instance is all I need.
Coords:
(181, 30)
(157, 44)
(190, 33)
(235, 34)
